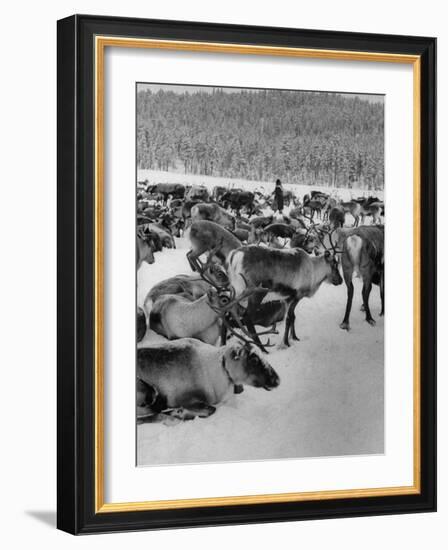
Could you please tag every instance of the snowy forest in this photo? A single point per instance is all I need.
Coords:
(311, 138)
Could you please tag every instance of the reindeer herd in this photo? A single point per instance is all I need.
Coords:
(250, 268)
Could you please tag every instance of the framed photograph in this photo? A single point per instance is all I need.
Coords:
(246, 274)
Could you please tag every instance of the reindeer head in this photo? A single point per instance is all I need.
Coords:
(246, 366)
(216, 275)
(218, 299)
(333, 277)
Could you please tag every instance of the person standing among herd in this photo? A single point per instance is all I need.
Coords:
(278, 195)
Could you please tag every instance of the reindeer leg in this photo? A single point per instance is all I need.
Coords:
(199, 408)
(251, 328)
(366, 288)
(382, 294)
(293, 321)
(253, 303)
(290, 318)
(195, 404)
(192, 259)
(345, 325)
(223, 334)
(286, 333)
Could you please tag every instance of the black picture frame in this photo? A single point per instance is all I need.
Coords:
(76, 255)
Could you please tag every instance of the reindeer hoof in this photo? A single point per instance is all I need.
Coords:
(282, 346)
(168, 420)
(371, 322)
(345, 326)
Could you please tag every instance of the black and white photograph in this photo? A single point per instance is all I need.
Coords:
(260, 274)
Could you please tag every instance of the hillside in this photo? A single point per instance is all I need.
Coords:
(307, 138)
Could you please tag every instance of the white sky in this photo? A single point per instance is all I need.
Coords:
(180, 89)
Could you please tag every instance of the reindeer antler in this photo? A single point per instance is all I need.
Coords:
(237, 301)
(322, 242)
(233, 310)
(335, 250)
(204, 269)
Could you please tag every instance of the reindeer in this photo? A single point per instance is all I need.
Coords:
(190, 286)
(329, 205)
(374, 209)
(257, 226)
(276, 230)
(354, 208)
(167, 307)
(213, 212)
(294, 274)
(186, 305)
(360, 208)
(187, 378)
(241, 234)
(144, 250)
(297, 219)
(315, 204)
(261, 221)
(207, 236)
(304, 239)
(363, 254)
(175, 316)
(165, 236)
(336, 217)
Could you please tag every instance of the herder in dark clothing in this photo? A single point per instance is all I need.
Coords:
(278, 195)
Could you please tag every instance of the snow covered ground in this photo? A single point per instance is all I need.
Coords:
(330, 400)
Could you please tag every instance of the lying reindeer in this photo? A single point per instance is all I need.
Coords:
(294, 274)
(190, 286)
(175, 316)
(184, 305)
(187, 378)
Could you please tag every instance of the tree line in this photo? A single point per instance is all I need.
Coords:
(311, 138)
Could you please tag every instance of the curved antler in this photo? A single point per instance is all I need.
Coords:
(335, 250)
(234, 311)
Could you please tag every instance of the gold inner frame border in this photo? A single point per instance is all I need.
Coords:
(101, 42)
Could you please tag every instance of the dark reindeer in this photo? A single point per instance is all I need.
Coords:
(336, 217)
